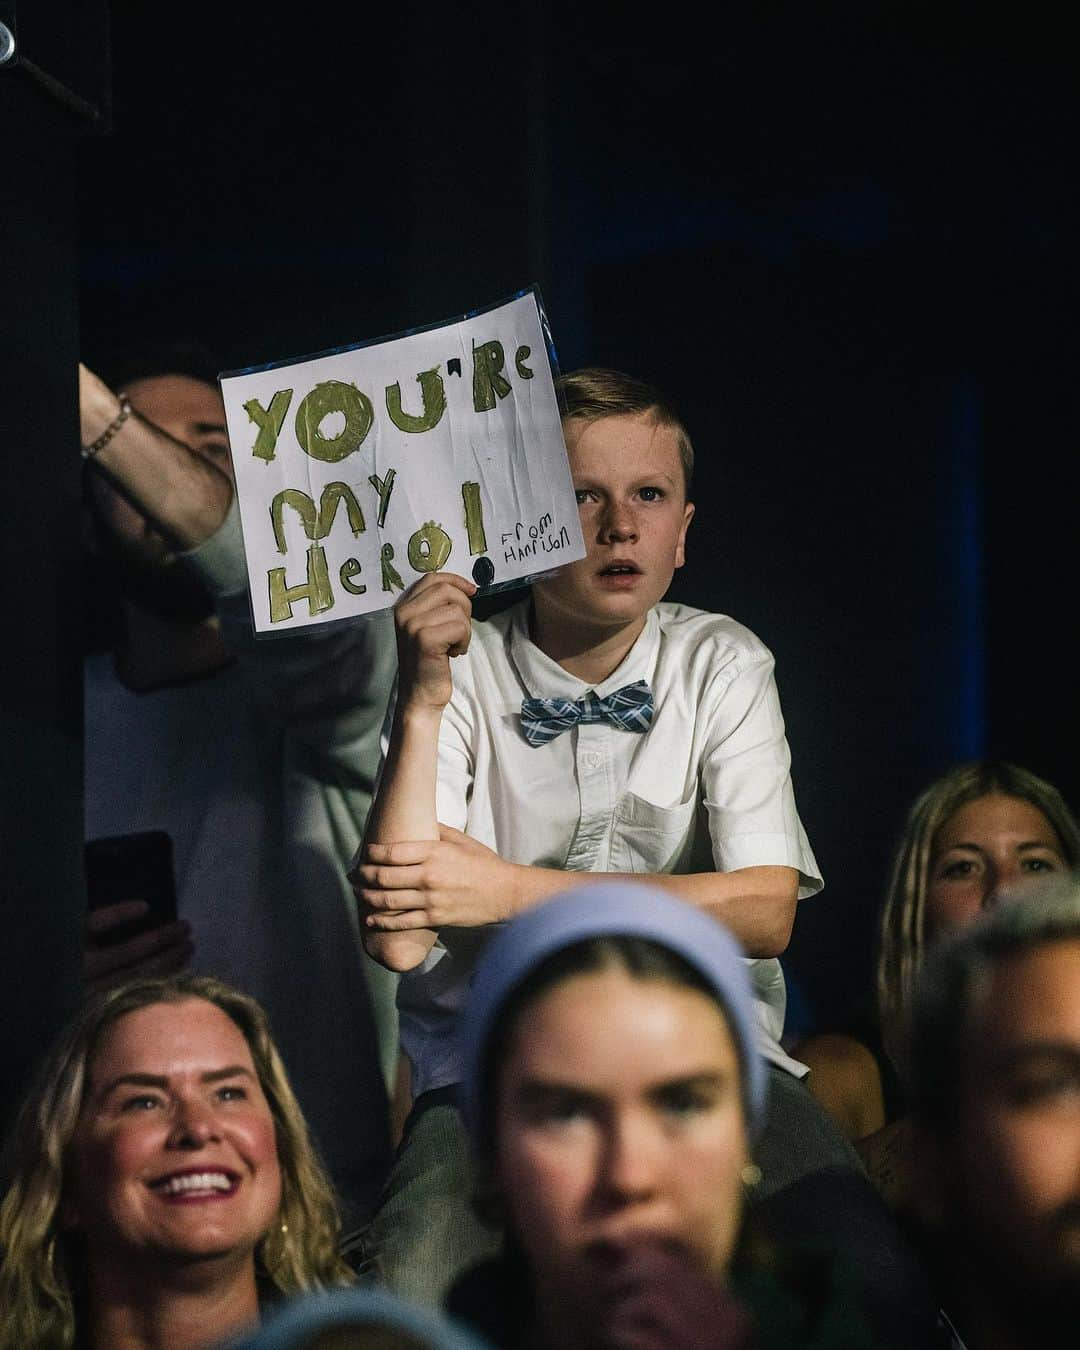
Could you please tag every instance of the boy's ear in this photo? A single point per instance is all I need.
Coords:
(680, 547)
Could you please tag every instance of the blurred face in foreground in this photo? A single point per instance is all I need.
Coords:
(175, 1155)
(619, 1126)
(1015, 1161)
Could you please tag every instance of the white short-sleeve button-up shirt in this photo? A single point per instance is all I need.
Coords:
(706, 788)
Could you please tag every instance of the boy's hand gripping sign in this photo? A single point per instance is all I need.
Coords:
(359, 470)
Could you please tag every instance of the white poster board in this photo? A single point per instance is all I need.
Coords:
(361, 469)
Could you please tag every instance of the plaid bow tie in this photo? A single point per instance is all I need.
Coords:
(631, 708)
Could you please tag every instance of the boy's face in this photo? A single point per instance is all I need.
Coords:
(631, 493)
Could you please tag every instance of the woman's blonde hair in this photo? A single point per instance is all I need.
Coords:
(40, 1265)
(903, 932)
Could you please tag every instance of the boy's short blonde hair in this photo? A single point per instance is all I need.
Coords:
(594, 392)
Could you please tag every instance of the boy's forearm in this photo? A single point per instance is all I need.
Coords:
(756, 903)
(179, 491)
(404, 809)
(404, 806)
(400, 952)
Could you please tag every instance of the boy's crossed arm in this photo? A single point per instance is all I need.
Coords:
(458, 882)
(416, 876)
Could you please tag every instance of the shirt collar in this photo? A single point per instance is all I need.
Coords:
(545, 678)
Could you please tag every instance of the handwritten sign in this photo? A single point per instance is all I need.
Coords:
(359, 470)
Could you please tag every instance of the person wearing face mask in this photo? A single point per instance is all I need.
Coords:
(258, 760)
(981, 827)
(162, 1186)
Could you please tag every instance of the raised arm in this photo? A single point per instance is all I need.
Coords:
(180, 491)
(433, 623)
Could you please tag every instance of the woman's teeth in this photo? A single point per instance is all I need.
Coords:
(196, 1181)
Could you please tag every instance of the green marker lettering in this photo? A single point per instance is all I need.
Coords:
(317, 525)
(333, 396)
(316, 590)
(474, 517)
(434, 396)
(384, 487)
(269, 421)
(351, 568)
(429, 548)
(391, 578)
(488, 381)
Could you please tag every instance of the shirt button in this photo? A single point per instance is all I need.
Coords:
(592, 759)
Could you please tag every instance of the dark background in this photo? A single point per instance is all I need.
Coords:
(841, 235)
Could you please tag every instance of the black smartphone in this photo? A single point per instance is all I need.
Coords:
(136, 866)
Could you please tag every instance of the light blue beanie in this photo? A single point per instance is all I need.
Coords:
(609, 909)
(293, 1324)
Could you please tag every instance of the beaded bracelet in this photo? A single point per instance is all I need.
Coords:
(89, 451)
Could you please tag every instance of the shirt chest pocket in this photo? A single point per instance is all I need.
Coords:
(648, 838)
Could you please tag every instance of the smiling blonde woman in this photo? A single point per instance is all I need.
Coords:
(161, 1175)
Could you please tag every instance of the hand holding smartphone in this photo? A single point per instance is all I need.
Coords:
(131, 926)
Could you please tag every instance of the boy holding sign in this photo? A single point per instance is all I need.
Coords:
(585, 624)
(591, 728)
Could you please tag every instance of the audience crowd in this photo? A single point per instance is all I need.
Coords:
(567, 896)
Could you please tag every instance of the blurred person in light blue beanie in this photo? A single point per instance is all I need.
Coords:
(607, 910)
(611, 1091)
(357, 1319)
